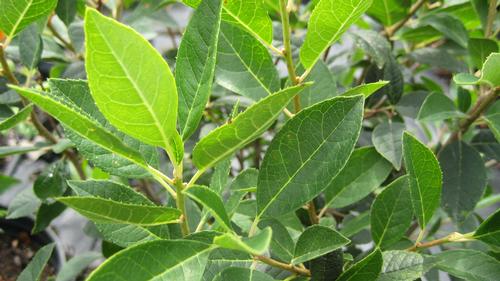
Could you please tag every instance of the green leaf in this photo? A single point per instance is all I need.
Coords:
(391, 71)
(437, 107)
(17, 118)
(74, 267)
(469, 264)
(282, 245)
(480, 49)
(52, 181)
(464, 179)
(126, 235)
(78, 93)
(252, 16)
(329, 20)
(492, 116)
(247, 126)
(24, 204)
(179, 260)
(489, 73)
(364, 172)
(352, 225)
(387, 138)
(390, 216)
(139, 96)
(449, 26)
(401, 266)
(388, 12)
(33, 272)
(465, 79)
(46, 213)
(16, 15)
(375, 45)
(244, 66)
(66, 10)
(255, 245)
(110, 202)
(324, 86)
(242, 274)
(410, 104)
(365, 89)
(212, 201)
(6, 182)
(367, 269)
(425, 178)
(195, 64)
(30, 46)
(327, 267)
(298, 164)
(489, 230)
(66, 112)
(316, 241)
(220, 176)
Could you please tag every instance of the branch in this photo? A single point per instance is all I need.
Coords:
(394, 28)
(453, 237)
(285, 266)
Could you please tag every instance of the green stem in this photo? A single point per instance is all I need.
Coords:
(492, 12)
(453, 237)
(394, 28)
(181, 205)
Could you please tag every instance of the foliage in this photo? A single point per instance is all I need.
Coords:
(272, 142)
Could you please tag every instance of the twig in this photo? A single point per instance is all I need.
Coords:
(285, 266)
(453, 237)
(492, 12)
(311, 211)
(394, 28)
(56, 34)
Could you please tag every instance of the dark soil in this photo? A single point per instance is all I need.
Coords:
(15, 254)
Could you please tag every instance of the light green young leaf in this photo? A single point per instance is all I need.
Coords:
(390, 215)
(33, 272)
(195, 65)
(135, 89)
(364, 172)
(365, 89)
(308, 152)
(387, 138)
(490, 73)
(493, 119)
(212, 201)
(242, 274)
(367, 269)
(17, 118)
(489, 230)
(74, 267)
(464, 179)
(255, 245)
(465, 79)
(244, 66)
(252, 16)
(401, 266)
(84, 125)
(317, 241)
(18, 14)
(425, 178)
(470, 265)
(247, 126)
(329, 20)
(78, 93)
(179, 260)
(438, 107)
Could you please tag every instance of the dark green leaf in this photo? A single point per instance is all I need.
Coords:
(449, 26)
(74, 267)
(387, 138)
(367, 269)
(470, 265)
(242, 274)
(327, 267)
(45, 214)
(52, 181)
(33, 272)
(212, 201)
(438, 107)
(489, 230)
(17, 118)
(30, 46)
(480, 49)
(66, 10)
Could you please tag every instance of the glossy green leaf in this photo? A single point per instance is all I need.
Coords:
(480, 49)
(365, 170)
(138, 95)
(212, 201)
(78, 92)
(438, 107)
(308, 152)
(489, 230)
(33, 272)
(387, 138)
(470, 265)
(52, 181)
(17, 118)
(195, 64)
(329, 20)
(449, 26)
(425, 178)
(74, 267)
(30, 46)
(247, 126)
(365, 89)
(367, 269)
(390, 216)
(18, 14)
(252, 16)
(401, 266)
(492, 116)
(464, 179)
(316, 241)
(255, 245)
(66, 10)
(282, 245)
(242, 274)
(179, 260)
(45, 214)
(244, 66)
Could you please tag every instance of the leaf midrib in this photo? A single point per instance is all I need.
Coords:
(20, 19)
